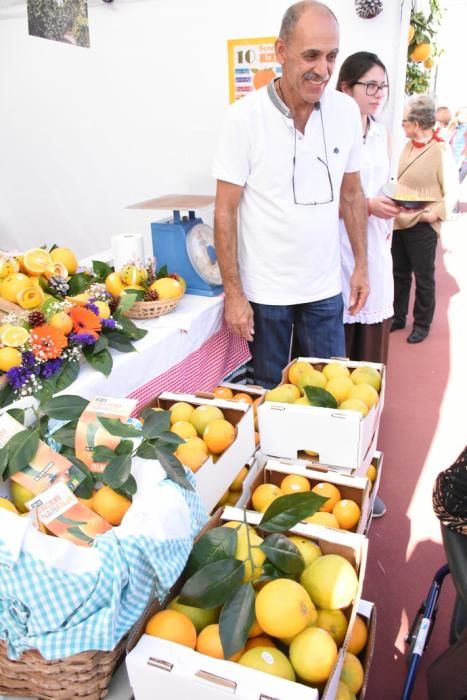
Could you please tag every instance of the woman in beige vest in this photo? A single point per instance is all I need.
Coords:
(427, 167)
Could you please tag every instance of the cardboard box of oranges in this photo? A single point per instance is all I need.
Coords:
(339, 437)
(348, 507)
(229, 440)
(178, 670)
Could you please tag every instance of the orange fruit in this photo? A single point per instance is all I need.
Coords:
(283, 608)
(264, 495)
(255, 630)
(191, 456)
(183, 429)
(36, 261)
(344, 693)
(114, 284)
(421, 52)
(354, 405)
(110, 505)
(62, 321)
(429, 63)
(329, 491)
(364, 374)
(260, 641)
(335, 369)
(268, 660)
(295, 370)
(330, 581)
(167, 288)
(13, 284)
(14, 336)
(7, 505)
(365, 392)
(173, 626)
(8, 266)
(236, 484)
(197, 442)
(294, 483)
(223, 392)
(347, 513)
(313, 654)
(371, 473)
(262, 77)
(308, 549)
(334, 622)
(339, 387)
(30, 297)
(66, 257)
(181, 410)
(352, 673)
(218, 435)
(209, 643)
(324, 519)
(9, 357)
(358, 636)
(202, 415)
(104, 309)
(242, 396)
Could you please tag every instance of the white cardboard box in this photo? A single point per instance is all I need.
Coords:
(180, 672)
(343, 439)
(357, 488)
(214, 478)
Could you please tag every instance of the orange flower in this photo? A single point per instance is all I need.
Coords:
(47, 342)
(84, 321)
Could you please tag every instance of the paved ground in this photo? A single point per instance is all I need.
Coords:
(422, 433)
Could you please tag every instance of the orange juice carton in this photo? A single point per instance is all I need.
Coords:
(90, 432)
(64, 515)
(45, 468)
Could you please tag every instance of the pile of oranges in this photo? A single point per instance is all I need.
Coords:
(336, 512)
(299, 625)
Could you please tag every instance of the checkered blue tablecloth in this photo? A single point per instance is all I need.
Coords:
(62, 612)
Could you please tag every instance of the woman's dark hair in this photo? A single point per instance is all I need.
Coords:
(355, 66)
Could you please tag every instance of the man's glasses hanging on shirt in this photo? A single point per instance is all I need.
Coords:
(322, 175)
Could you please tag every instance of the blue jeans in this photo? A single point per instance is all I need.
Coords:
(318, 327)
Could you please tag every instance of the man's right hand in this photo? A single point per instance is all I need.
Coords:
(239, 315)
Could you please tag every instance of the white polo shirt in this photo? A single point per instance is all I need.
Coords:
(288, 253)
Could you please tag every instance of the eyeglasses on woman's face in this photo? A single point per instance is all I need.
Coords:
(372, 88)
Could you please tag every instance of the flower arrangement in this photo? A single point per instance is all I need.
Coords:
(77, 319)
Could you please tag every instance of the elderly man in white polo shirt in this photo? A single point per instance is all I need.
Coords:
(288, 158)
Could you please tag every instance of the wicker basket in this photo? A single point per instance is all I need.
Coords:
(83, 676)
(152, 309)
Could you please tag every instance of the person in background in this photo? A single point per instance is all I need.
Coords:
(426, 166)
(458, 141)
(443, 120)
(363, 76)
(289, 155)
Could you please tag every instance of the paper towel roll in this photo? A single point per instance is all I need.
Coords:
(127, 248)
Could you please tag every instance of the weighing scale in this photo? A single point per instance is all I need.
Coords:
(184, 243)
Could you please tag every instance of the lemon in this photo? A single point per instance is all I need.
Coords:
(14, 336)
(9, 357)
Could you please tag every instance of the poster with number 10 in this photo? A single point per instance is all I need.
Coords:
(252, 64)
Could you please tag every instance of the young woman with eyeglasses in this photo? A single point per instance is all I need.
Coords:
(363, 76)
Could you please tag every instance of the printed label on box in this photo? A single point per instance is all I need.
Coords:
(90, 432)
(65, 516)
(45, 468)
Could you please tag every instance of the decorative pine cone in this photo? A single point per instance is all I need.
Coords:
(59, 285)
(151, 295)
(113, 304)
(367, 9)
(36, 318)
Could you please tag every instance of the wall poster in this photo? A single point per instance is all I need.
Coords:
(252, 64)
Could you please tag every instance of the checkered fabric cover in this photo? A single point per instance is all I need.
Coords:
(202, 370)
(44, 607)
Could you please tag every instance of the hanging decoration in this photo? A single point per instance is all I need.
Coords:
(367, 9)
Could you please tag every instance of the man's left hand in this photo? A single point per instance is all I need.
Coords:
(359, 291)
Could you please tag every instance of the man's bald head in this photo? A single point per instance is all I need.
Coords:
(294, 12)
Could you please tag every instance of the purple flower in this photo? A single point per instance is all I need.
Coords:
(28, 359)
(18, 376)
(51, 367)
(82, 338)
(108, 323)
(92, 307)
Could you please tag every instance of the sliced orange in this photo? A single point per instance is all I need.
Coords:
(14, 336)
(56, 269)
(31, 297)
(36, 261)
